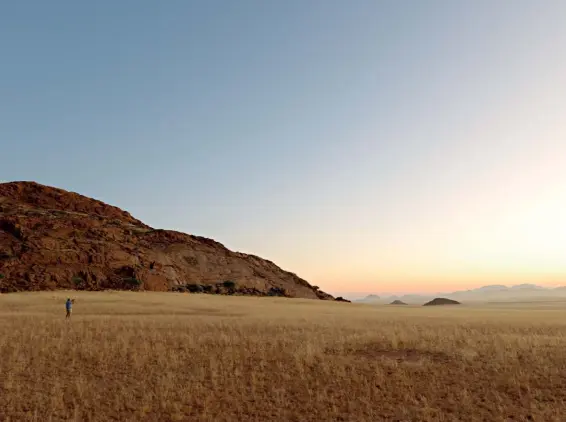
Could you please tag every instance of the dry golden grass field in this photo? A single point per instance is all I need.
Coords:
(175, 357)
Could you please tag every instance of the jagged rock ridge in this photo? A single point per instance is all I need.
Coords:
(52, 239)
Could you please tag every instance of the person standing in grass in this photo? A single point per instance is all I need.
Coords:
(69, 307)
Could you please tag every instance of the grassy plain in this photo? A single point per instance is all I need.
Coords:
(175, 357)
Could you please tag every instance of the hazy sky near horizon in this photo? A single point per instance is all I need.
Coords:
(375, 146)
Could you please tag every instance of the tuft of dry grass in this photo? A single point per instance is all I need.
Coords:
(159, 357)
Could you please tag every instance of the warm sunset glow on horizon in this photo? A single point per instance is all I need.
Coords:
(367, 146)
(505, 226)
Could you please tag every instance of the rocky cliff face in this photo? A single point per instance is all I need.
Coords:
(52, 239)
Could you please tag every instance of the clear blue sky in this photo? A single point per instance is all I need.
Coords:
(366, 145)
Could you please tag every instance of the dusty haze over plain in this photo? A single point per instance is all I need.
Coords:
(366, 146)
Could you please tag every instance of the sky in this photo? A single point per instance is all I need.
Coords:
(368, 146)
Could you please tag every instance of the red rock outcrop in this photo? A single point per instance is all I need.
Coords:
(53, 239)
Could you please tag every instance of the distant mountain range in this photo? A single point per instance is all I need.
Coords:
(484, 293)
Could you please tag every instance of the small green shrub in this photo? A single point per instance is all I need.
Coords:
(77, 280)
(1, 276)
(194, 288)
(277, 291)
(229, 284)
(133, 281)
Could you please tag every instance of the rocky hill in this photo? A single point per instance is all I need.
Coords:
(439, 301)
(54, 239)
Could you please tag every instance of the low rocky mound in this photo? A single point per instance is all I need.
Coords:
(54, 239)
(397, 302)
(441, 301)
(341, 299)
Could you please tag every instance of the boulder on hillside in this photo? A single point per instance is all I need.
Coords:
(441, 301)
(397, 302)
